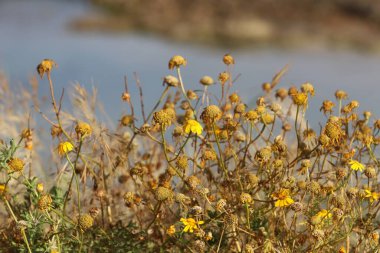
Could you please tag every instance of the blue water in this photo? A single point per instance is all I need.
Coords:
(33, 30)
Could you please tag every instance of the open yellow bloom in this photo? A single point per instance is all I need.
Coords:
(282, 198)
(355, 165)
(192, 126)
(371, 195)
(324, 214)
(64, 148)
(190, 224)
(171, 230)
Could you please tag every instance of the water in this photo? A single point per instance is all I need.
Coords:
(33, 30)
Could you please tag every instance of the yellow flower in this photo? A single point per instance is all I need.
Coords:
(171, 230)
(282, 198)
(190, 224)
(64, 148)
(192, 126)
(342, 250)
(371, 195)
(2, 188)
(324, 214)
(355, 165)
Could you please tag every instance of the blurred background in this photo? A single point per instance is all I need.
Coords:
(330, 43)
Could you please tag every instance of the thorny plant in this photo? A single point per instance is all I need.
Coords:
(199, 173)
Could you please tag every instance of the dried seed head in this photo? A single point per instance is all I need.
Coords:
(129, 198)
(126, 120)
(251, 115)
(171, 81)
(234, 98)
(45, 67)
(253, 179)
(191, 95)
(211, 114)
(177, 61)
(55, 131)
(370, 171)
(15, 164)
(196, 210)
(239, 136)
(314, 187)
(307, 88)
(267, 87)
(199, 246)
(223, 77)
(302, 185)
(182, 198)
(85, 222)
(44, 202)
(193, 182)
(126, 97)
(275, 107)
(178, 131)
(163, 193)
(300, 98)
(185, 105)
(281, 93)
(327, 106)
(340, 94)
(340, 173)
(297, 207)
(182, 162)
(263, 155)
(83, 129)
(206, 81)
(240, 108)
(245, 198)
(162, 118)
(228, 59)
(352, 192)
(220, 205)
(209, 155)
(267, 118)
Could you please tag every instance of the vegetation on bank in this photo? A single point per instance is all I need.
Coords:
(199, 172)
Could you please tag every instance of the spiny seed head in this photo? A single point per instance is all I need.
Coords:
(253, 179)
(177, 61)
(44, 202)
(163, 193)
(182, 198)
(352, 192)
(206, 80)
(171, 81)
(16, 164)
(85, 221)
(211, 114)
(228, 59)
(83, 129)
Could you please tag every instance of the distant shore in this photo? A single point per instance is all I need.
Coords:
(239, 23)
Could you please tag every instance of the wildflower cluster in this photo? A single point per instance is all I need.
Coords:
(198, 172)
